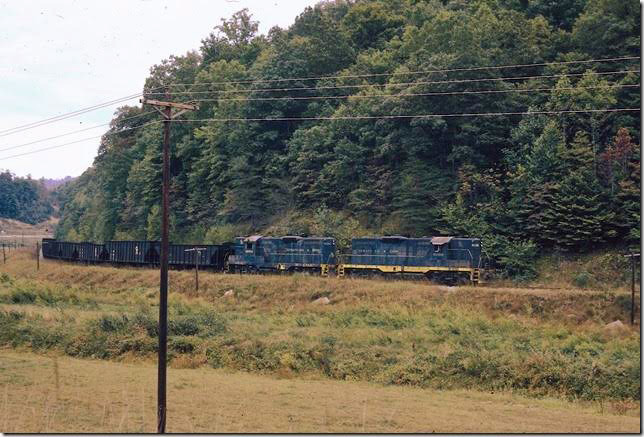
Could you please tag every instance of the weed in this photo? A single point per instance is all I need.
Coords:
(305, 320)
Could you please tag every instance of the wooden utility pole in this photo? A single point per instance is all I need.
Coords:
(632, 256)
(632, 289)
(37, 255)
(163, 282)
(197, 251)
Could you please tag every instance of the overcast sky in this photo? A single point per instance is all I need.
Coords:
(61, 56)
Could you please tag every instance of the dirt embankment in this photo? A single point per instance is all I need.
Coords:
(20, 232)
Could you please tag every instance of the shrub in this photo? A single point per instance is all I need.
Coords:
(224, 233)
(111, 323)
(137, 344)
(46, 337)
(182, 344)
(23, 297)
(184, 325)
(215, 357)
(624, 303)
(582, 279)
(517, 258)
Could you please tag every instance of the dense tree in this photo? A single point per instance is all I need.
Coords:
(531, 179)
(24, 199)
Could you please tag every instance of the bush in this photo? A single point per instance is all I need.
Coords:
(22, 297)
(185, 325)
(516, 258)
(215, 357)
(582, 279)
(182, 344)
(224, 233)
(110, 323)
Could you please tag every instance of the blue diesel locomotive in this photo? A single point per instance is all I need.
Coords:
(449, 259)
(282, 254)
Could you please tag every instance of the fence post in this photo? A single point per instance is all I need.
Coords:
(632, 288)
(197, 255)
(37, 255)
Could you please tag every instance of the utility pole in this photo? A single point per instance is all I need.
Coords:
(4, 255)
(197, 251)
(163, 282)
(632, 256)
(37, 255)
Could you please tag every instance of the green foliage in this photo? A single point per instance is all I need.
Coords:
(223, 233)
(524, 183)
(582, 279)
(24, 199)
(334, 224)
(435, 345)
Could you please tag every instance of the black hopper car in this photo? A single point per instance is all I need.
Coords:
(137, 253)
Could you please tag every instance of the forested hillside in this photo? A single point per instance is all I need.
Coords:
(24, 199)
(360, 118)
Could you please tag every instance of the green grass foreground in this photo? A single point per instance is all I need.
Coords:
(441, 341)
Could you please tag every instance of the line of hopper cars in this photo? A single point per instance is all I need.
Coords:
(444, 259)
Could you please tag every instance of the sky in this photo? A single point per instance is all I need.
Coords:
(61, 56)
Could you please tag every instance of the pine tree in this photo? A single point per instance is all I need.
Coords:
(579, 206)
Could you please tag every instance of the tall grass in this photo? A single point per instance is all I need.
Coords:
(440, 347)
(393, 332)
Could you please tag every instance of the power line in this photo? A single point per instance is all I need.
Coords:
(43, 122)
(357, 96)
(65, 116)
(358, 117)
(80, 140)
(433, 82)
(384, 117)
(368, 96)
(447, 70)
(73, 132)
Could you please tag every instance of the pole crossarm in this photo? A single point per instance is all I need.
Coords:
(185, 106)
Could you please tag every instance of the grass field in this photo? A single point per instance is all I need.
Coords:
(57, 394)
(445, 355)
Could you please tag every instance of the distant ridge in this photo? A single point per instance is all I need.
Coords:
(51, 184)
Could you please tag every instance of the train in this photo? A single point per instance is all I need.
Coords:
(442, 259)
